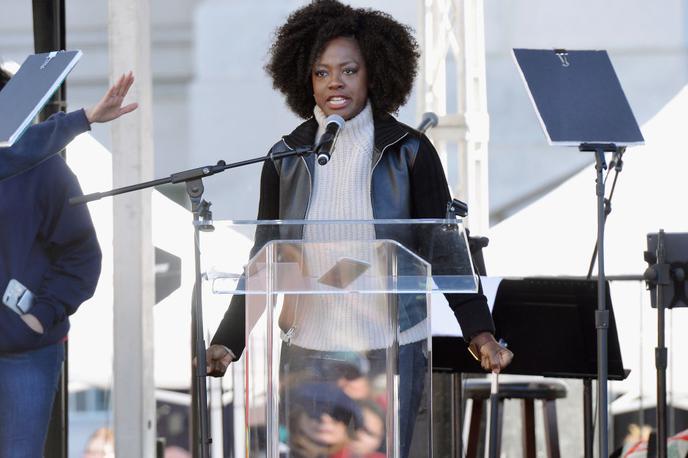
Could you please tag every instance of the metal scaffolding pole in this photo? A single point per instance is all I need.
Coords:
(453, 85)
(132, 162)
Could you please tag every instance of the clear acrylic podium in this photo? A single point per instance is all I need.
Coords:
(338, 349)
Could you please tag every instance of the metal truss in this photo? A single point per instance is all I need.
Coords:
(452, 84)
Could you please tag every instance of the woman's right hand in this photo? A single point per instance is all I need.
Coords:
(218, 358)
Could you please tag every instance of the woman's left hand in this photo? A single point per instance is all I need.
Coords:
(493, 357)
(33, 323)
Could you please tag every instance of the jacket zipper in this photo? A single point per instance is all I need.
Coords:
(289, 334)
(310, 187)
(379, 158)
(310, 178)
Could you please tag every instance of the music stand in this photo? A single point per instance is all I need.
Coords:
(29, 89)
(562, 311)
(667, 256)
(579, 102)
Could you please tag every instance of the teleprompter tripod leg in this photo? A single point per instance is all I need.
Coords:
(588, 430)
(661, 357)
(602, 314)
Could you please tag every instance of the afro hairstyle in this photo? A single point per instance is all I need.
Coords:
(388, 48)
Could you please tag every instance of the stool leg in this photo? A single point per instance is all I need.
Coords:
(474, 429)
(456, 415)
(528, 414)
(492, 439)
(551, 431)
(500, 422)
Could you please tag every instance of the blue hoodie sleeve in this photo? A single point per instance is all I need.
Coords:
(70, 239)
(40, 141)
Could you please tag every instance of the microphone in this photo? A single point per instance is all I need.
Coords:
(429, 120)
(323, 150)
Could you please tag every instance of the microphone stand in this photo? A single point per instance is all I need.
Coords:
(200, 209)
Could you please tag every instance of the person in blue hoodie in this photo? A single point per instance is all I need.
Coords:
(49, 264)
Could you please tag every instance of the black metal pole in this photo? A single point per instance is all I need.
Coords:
(202, 440)
(617, 163)
(602, 314)
(661, 357)
(49, 35)
(588, 430)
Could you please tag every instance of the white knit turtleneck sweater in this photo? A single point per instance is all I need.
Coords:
(341, 191)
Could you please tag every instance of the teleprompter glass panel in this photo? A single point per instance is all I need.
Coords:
(442, 243)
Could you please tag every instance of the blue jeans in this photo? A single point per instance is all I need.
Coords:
(413, 366)
(28, 382)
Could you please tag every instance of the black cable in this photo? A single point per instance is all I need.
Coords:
(617, 165)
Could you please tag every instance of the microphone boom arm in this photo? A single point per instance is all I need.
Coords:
(189, 175)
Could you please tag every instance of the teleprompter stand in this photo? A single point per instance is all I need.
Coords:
(602, 313)
(667, 256)
(580, 102)
(200, 209)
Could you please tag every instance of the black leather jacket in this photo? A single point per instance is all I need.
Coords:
(408, 182)
(390, 186)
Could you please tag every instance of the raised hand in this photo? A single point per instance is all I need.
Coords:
(110, 106)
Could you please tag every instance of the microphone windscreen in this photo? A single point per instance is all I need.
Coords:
(428, 120)
(334, 118)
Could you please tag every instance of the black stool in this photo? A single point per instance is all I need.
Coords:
(547, 391)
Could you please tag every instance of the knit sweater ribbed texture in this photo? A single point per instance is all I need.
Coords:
(341, 191)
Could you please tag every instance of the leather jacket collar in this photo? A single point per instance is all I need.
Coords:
(387, 130)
